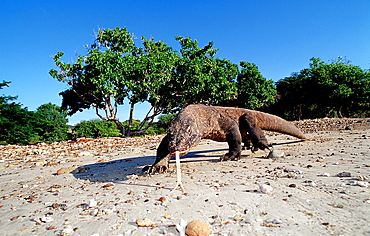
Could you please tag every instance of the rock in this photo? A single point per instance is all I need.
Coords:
(349, 128)
(274, 154)
(46, 219)
(265, 188)
(344, 174)
(67, 230)
(144, 222)
(85, 153)
(108, 186)
(361, 178)
(276, 221)
(238, 217)
(197, 228)
(71, 169)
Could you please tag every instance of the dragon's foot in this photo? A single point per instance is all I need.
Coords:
(160, 166)
(261, 146)
(230, 157)
(155, 169)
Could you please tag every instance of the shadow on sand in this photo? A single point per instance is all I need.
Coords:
(117, 171)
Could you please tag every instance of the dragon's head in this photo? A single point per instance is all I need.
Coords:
(183, 134)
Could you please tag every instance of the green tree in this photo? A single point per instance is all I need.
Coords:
(114, 70)
(20, 126)
(254, 91)
(100, 78)
(338, 89)
(51, 123)
(200, 77)
(97, 128)
(15, 127)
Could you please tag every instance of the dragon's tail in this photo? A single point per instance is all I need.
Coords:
(274, 123)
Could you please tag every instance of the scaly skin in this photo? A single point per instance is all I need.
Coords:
(224, 124)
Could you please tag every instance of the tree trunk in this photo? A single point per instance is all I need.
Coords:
(120, 127)
(340, 112)
(132, 105)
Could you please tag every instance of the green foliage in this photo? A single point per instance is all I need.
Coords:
(199, 77)
(20, 126)
(16, 124)
(102, 128)
(337, 89)
(96, 128)
(51, 123)
(163, 124)
(115, 70)
(254, 91)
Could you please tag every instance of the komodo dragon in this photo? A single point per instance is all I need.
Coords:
(230, 124)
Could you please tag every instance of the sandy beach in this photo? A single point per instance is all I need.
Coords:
(318, 187)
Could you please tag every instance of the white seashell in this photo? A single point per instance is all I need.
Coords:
(277, 221)
(182, 227)
(67, 230)
(109, 211)
(85, 153)
(363, 184)
(326, 175)
(361, 178)
(265, 188)
(94, 212)
(93, 203)
(46, 219)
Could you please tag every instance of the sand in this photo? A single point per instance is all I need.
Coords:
(319, 187)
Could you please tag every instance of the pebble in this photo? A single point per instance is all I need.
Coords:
(276, 221)
(238, 217)
(361, 178)
(71, 170)
(67, 230)
(144, 222)
(46, 219)
(197, 228)
(344, 174)
(264, 188)
(85, 153)
(274, 154)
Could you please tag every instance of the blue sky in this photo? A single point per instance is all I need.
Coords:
(279, 36)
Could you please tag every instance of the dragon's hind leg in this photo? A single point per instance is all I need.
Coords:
(250, 130)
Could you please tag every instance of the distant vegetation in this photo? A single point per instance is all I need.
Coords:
(336, 89)
(49, 124)
(115, 71)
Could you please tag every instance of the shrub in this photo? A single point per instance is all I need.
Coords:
(97, 128)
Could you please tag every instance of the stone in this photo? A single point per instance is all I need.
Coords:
(197, 228)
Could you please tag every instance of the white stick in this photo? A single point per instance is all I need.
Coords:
(178, 173)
